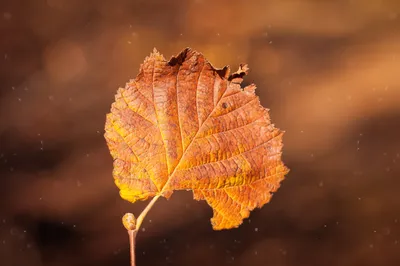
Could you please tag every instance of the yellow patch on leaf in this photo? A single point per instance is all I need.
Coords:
(184, 125)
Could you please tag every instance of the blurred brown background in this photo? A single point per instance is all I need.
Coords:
(328, 70)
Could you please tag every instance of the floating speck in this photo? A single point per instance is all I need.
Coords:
(256, 229)
(116, 252)
(13, 231)
(7, 16)
(393, 15)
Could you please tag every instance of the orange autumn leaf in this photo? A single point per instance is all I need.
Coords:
(184, 125)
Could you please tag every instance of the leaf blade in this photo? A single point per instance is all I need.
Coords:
(218, 140)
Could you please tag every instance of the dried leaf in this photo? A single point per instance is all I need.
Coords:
(184, 125)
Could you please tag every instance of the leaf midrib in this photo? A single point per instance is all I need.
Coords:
(170, 177)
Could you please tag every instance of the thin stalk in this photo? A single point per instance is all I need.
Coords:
(132, 242)
(141, 217)
(133, 226)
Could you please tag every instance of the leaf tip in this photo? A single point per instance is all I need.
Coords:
(154, 56)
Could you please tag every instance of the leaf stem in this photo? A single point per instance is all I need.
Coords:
(143, 214)
(133, 228)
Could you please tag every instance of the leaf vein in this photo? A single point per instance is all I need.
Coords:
(177, 106)
(231, 129)
(130, 108)
(239, 108)
(236, 155)
(137, 157)
(197, 90)
(158, 120)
